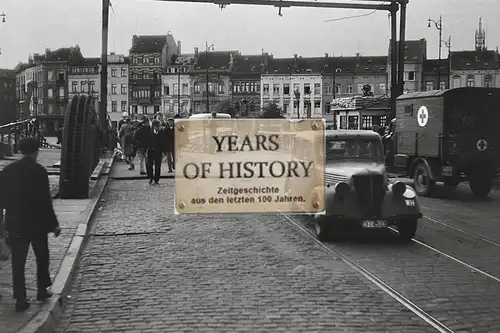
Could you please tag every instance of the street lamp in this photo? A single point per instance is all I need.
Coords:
(179, 90)
(297, 97)
(3, 15)
(207, 48)
(439, 27)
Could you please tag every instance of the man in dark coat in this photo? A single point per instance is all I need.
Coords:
(155, 151)
(170, 144)
(29, 218)
(142, 135)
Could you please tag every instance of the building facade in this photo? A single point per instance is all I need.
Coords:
(7, 96)
(118, 87)
(177, 87)
(149, 55)
(415, 53)
(84, 77)
(245, 83)
(430, 74)
(210, 79)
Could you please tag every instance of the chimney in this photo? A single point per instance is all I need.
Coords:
(295, 63)
(135, 39)
(47, 51)
(30, 60)
(179, 47)
(196, 52)
(231, 58)
(326, 55)
(357, 54)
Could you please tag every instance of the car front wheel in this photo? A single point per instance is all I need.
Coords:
(322, 230)
(407, 229)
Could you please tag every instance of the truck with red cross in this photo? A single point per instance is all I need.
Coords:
(447, 136)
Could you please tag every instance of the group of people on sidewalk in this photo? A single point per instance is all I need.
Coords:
(150, 141)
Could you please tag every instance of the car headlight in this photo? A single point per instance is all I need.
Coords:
(398, 189)
(409, 193)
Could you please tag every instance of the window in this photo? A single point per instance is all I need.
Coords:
(60, 76)
(470, 81)
(50, 93)
(382, 88)
(196, 87)
(50, 108)
(296, 88)
(157, 108)
(166, 89)
(328, 88)
(62, 109)
(429, 85)
(185, 89)
(286, 105)
(409, 76)
(286, 89)
(139, 60)
(307, 88)
(50, 76)
(360, 88)
(349, 89)
(442, 85)
(338, 88)
(91, 86)
(457, 81)
(113, 89)
(266, 89)
(210, 87)
(124, 106)
(113, 72)
(317, 107)
(175, 88)
(82, 86)
(327, 108)
(488, 80)
(235, 87)
(114, 106)
(144, 109)
(124, 71)
(61, 92)
(367, 123)
(276, 89)
(221, 87)
(124, 89)
(317, 89)
(74, 87)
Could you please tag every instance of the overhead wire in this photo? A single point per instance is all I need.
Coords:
(355, 16)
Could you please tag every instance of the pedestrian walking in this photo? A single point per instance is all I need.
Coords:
(142, 135)
(126, 137)
(170, 144)
(155, 151)
(29, 218)
(60, 135)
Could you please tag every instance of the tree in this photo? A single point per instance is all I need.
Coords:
(367, 90)
(271, 111)
(226, 106)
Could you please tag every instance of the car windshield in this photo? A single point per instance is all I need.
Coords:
(354, 149)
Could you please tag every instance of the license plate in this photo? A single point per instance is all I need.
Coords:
(374, 224)
(448, 171)
(410, 203)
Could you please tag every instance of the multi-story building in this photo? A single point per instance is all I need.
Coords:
(118, 91)
(296, 85)
(43, 86)
(245, 83)
(7, 95)
(149, 55)
(177, 87)
(430, 74)
(415, 53)
(478, 68)
(84, 77)
(217, 66)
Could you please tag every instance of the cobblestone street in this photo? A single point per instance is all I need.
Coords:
(145, 269)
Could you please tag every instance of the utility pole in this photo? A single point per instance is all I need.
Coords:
(439, 27)
(394, 58)
(104, 65)
(179, 90)
(401, 60)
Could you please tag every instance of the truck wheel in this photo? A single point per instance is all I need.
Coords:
(322, 230)
(407, 229)
(424, 185)
(481, 185)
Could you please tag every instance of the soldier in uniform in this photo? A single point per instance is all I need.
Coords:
(29, 218)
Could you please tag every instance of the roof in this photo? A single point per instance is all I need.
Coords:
(7, 73)
(84, 62)
(361, 102)
(216, 60)
(438, 93)
(431, 65)
(248, 63)
(351, 134)
(415, 50)
(184, 59)
(475, 60)
(64, 54)
(149, 43)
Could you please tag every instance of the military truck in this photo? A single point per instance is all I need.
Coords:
(446, 136)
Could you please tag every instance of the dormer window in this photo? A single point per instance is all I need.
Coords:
(338, 70)
(366, 69)
(467, 64)
(308, 70)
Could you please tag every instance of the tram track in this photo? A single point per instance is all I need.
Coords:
(435, 323)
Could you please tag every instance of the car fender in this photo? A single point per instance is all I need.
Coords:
(405, 206)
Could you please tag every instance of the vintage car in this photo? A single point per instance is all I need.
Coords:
(357, 190)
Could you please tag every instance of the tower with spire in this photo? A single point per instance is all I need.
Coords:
(480, 37)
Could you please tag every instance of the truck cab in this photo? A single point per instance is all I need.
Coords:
(446, 136)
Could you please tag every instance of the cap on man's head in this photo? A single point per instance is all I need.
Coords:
(155, 122)
(29, 146)
(144, 119)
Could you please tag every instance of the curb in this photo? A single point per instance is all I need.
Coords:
(140, 177)
(47, 319)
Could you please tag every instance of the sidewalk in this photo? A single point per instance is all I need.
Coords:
(73, 217)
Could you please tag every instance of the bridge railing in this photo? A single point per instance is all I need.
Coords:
(12, 133)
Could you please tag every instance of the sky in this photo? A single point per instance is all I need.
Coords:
(32, 26)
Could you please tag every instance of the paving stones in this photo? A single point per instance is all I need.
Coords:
(217, 273)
